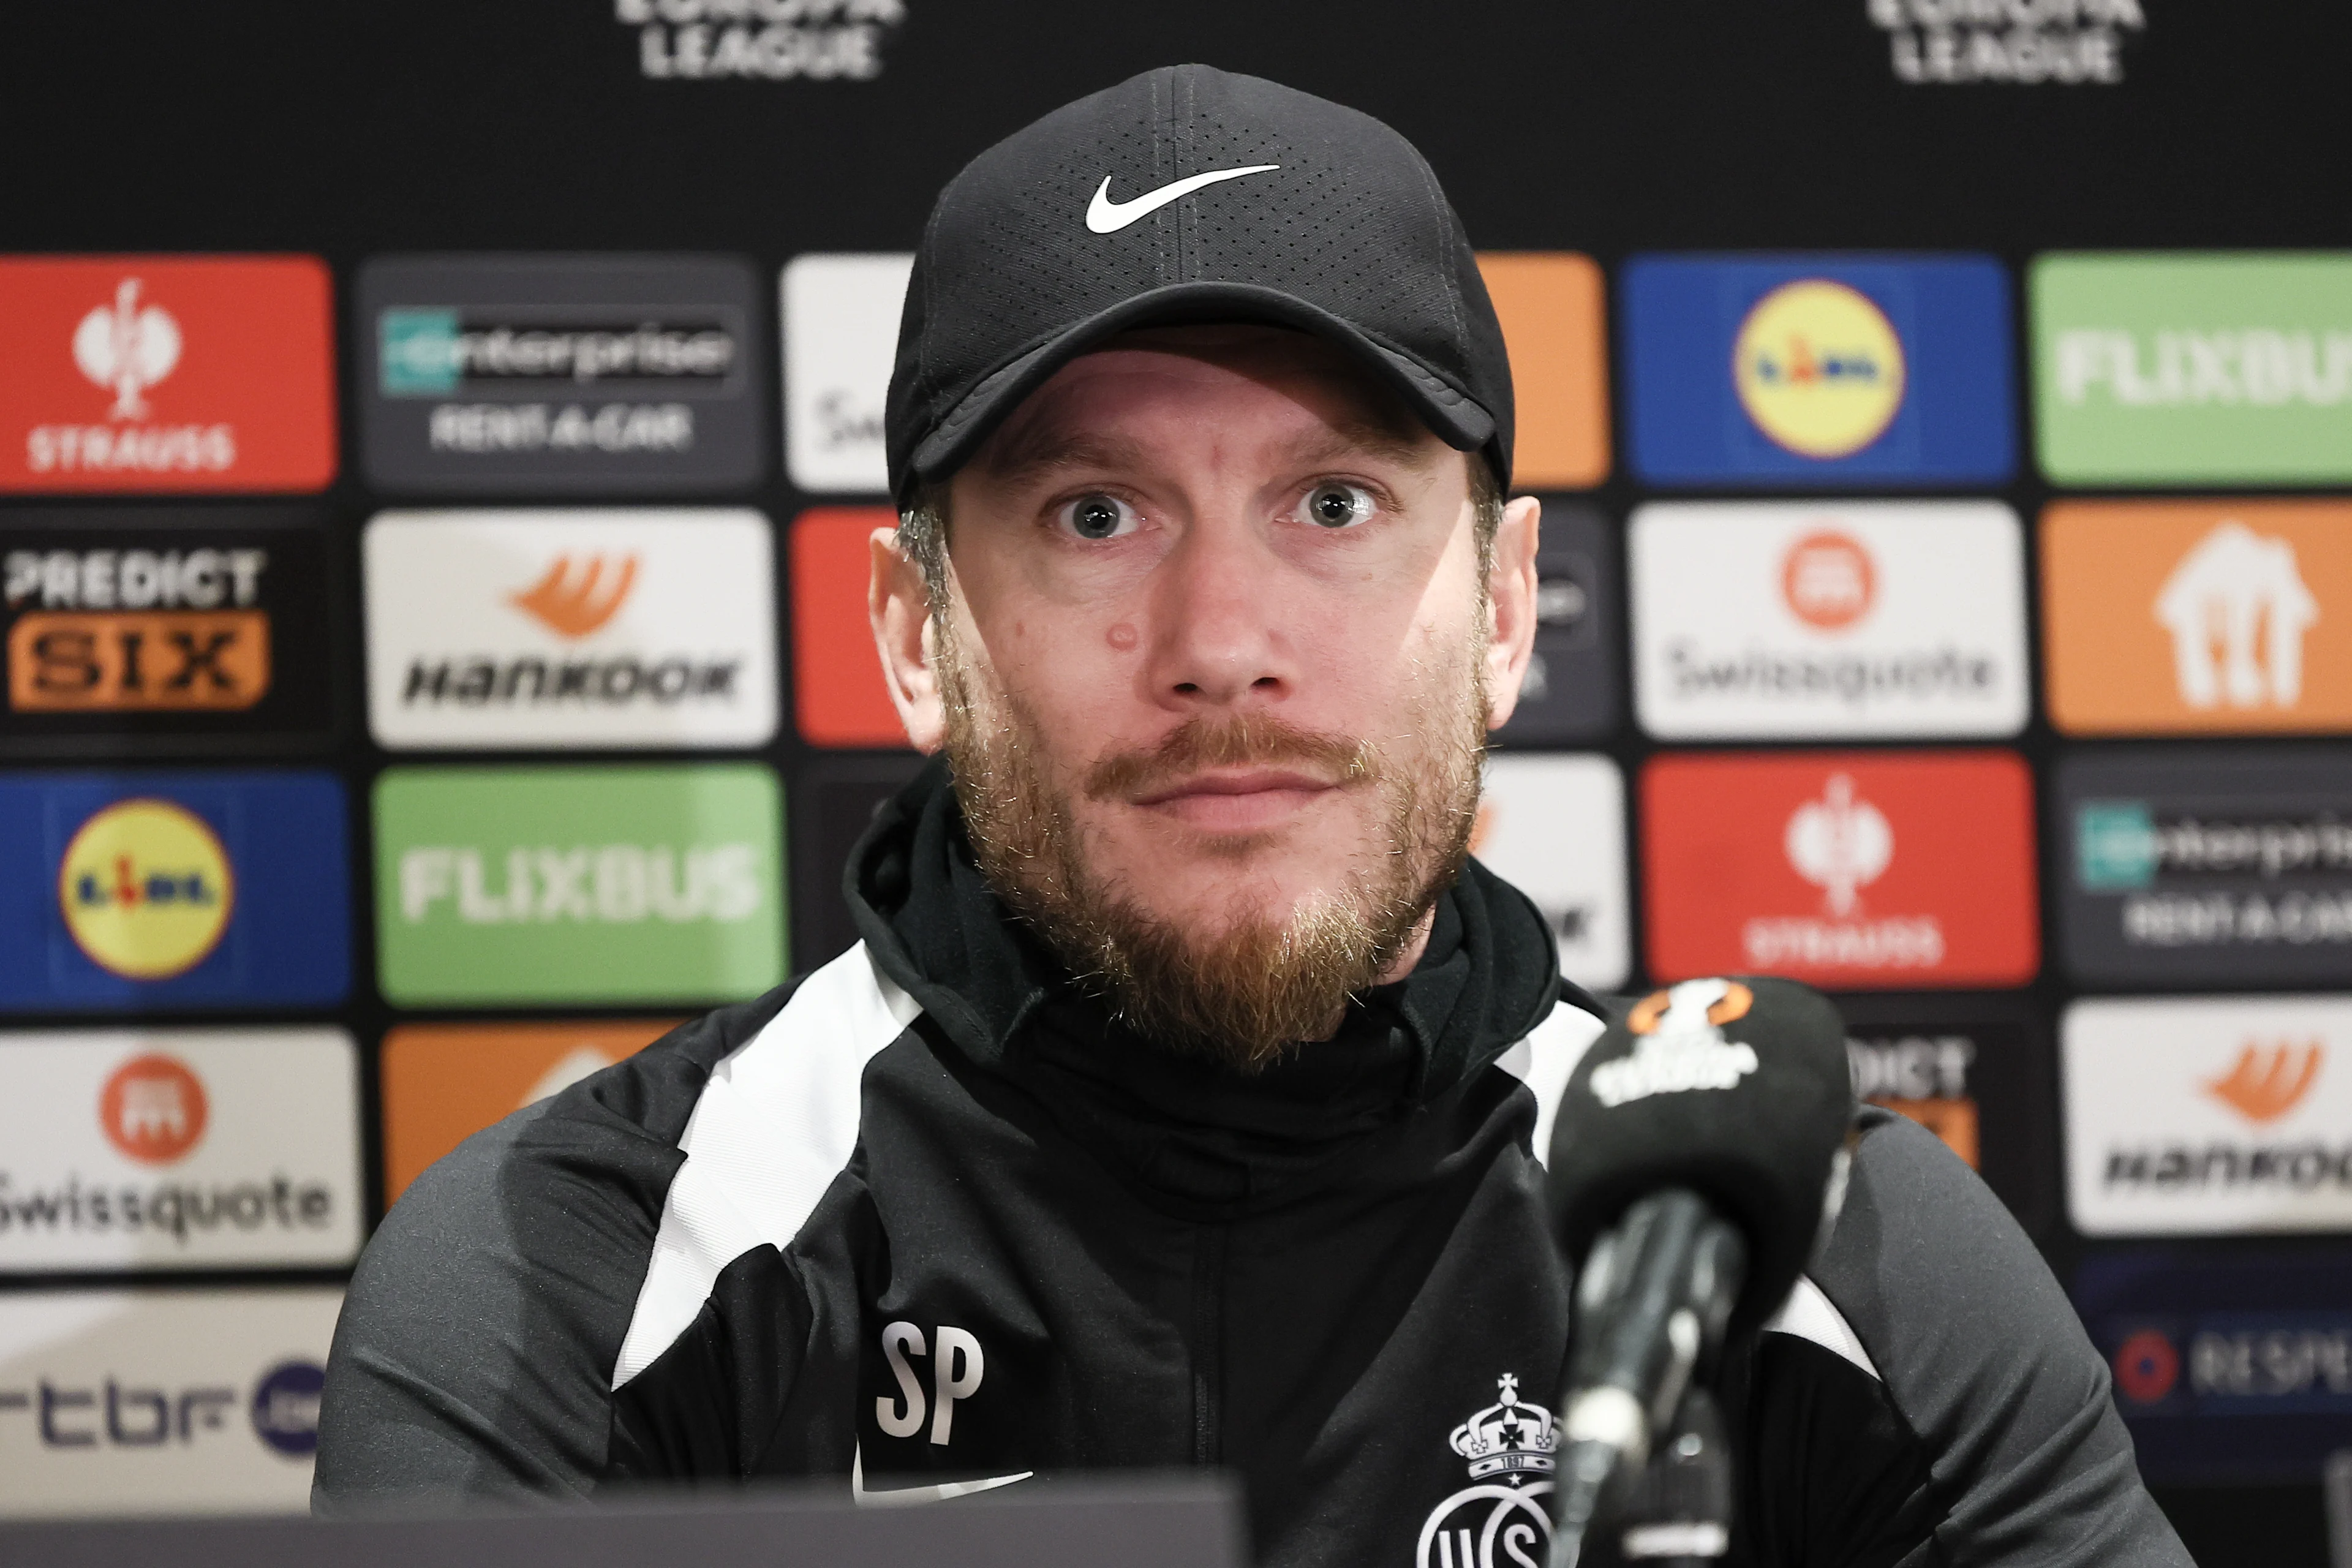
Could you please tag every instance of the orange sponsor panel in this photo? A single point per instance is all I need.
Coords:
(165, 660)
(1850, 871)
(2186, 616)
(839, 697)
(445, 1082)
(1553, 316)
(166, 374)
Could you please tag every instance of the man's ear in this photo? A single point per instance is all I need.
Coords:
(1511, 590)
(899, 605)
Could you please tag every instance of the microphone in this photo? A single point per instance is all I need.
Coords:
(1697, 1159)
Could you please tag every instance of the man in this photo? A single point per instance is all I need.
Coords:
(1180, 1103)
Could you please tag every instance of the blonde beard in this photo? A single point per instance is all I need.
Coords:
(1249, 992)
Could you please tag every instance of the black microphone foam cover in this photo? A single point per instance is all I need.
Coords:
(1735, 1088)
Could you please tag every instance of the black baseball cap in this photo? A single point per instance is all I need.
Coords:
(1190, 195)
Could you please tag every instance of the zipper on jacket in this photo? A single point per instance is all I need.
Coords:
(1208, 1343)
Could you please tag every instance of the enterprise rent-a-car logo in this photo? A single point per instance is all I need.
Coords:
(558, 372)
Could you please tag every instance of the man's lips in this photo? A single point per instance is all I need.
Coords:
(1236, 800)
(1235, 782)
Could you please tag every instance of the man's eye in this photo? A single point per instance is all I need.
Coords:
(1099, 517)
(1338, 505)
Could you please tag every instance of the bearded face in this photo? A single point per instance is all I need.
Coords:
(1214, 641)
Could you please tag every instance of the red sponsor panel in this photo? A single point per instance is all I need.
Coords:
(839, 697)
(1844, 870)
(166, 374)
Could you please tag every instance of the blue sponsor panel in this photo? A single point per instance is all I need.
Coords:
(2229, 1367)
(155, 892)
(1832, 370)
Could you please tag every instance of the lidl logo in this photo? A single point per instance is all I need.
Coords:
(2193, 368)
(606, 627)
(617, 884)
(1868, 870)
(146, 888)
(153, 1109)
(165, 374)
(1818, 370)
(444, 1082)
(2199, 616)
(173, 888)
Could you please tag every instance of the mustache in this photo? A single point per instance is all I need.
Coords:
(1230, 740)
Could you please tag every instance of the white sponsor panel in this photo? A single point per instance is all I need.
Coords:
(645, 626)
(161, 1400)
(140, 1149)
(1553, 827)
(841, 334)
(1821, 620)
(2209, 1114)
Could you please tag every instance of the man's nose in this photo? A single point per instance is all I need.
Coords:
(1222, 631)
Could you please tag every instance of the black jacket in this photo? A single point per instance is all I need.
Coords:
(927, 1218)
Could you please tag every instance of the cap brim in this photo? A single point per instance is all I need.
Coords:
(1450, 413)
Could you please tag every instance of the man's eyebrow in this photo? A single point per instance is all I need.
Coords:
(1352, 437)
(1021, 454)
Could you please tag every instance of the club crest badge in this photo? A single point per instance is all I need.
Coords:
(1498, 1521)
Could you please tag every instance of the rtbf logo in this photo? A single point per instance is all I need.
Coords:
(1857, 870)
(165, 374)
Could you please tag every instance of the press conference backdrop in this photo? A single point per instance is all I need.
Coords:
(438, 444)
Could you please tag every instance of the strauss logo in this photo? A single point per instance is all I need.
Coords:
(127, 348)
(2265, 1086)
(572, 605)
(1840, 843)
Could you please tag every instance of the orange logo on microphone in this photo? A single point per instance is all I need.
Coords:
(2265, 1086)
(572, 605)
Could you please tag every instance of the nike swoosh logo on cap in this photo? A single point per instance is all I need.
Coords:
(1105, 215)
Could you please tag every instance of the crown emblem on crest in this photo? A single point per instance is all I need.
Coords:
(1510, 1437)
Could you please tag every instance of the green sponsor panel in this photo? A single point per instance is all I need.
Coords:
(2193, 368)
(600, 884)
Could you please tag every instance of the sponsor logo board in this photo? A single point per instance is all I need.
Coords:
(841, 333)
(2193, 368)
(161, 1400)
(640, 628)
(1806, 619)
(444, 1082)
(1554, 827)
(1818, 370)
(212, 624)
(2207, 866)
(166, 374)
(1550, 305)
(168, 890)
(834, 803)
(2187, 1115)
(2179, 617)
(179, 1148)
(2229, 1367)
(1570, 690)
(1856, 870)
(839, 695)
(1976, 1071)
(562, 885)
(560, 373)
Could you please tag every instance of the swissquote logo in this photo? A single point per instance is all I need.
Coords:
(1879, 870)
(2237, 610)
(1678, 1044)
(2209, 1114)
(1773, 619)
(1497, 1522)
(165, 373)
(179, 1148)
(571, 629)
